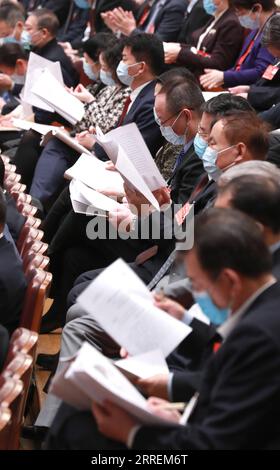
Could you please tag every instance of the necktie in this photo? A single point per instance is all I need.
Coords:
(163, 270)
(124, 112)
(150, 28)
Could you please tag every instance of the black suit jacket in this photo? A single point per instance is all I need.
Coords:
(272, 116)
(222, 44)
(12, 286)
(239, 402)
(265, 93)
(54, 52)
(168, 21)
(193, 21)
(185, 177)
(142, 113)
(15, 220)
(276, 264)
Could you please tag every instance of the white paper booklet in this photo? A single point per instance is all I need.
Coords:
(42, 129)
(123, 306)
(55, 95)
(93, 377)
(36, 67)
(144, 365)
(93, 173)
(67, 139)
(130, 139)
(207, 95)
(87, 201)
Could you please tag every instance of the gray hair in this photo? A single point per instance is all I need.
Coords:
(253, 167)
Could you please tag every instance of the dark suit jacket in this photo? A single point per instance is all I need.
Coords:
(276, 264)
(193, 21)
(265, 93)
(272, 117)
(4, 345)
(222, 44)
(12, 286)
(239, 405)
(185, 177)
(15, 220)
(142, 113)
(168, 21)
(54, 52)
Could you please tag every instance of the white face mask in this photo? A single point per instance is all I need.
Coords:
(18, 79)
(168, 133)
(123, 75)
(106, 78)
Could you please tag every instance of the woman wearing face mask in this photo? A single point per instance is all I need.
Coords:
(107, 110)
(254, 58)
(216, 45)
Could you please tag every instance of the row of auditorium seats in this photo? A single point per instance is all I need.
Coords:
(15, 379)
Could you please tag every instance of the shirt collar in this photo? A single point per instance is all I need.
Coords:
(225, 330)
(137, 91)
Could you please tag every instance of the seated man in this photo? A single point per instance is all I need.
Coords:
(12, 279)
(238, 405)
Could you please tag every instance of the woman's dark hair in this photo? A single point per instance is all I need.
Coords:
(267, 5)
(97, 44)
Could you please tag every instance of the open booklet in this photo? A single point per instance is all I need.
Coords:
(92, 172)
(123, 306)
(86, 200)
(51, 131)
(49, 90)
(128, 151)
(36, 67)
(93, 377)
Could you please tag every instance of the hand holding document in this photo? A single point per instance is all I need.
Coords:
(86, 200)
(92, 377)
(92, 172)
(123, 306)
(36, 67)
(49, 90)
(129, 153)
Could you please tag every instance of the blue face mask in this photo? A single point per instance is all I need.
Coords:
(249, 23)
(83, 4)
(106, 78)
(200, 145)
(25, 38)
(209, 159)
(89, 72)
(123, 75)
(216, 315)
(209, 7)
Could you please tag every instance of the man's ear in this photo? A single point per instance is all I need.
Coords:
(241, 151)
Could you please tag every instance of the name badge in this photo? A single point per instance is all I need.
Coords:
(270, 72)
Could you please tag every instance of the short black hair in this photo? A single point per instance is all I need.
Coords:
(267, 5)
(271, 32)
(224, 103)
(228, 238)
(10, 53)
(176, 72)
(46, 19)
(3, 209)
(181, 93)
(11, 13)
(98, 43)
(258, 196)
(149, 49)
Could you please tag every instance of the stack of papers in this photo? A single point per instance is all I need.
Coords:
(92, 172)
(92, 377)
(86, 200)
(128, 151)
(123, 306)
(49, 90)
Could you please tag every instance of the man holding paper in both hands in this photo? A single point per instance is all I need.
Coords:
(238, 402)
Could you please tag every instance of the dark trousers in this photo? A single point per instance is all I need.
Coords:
(27, 156)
